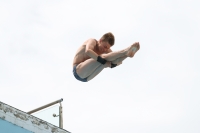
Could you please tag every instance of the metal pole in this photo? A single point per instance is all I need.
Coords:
(60, 116)
(45, 106)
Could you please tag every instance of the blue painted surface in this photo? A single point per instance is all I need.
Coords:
(7, 127)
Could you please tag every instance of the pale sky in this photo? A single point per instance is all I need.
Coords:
(157, 91)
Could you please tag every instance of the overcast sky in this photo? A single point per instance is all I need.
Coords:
(157, 91)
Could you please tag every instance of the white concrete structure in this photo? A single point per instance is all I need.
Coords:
(13, 117)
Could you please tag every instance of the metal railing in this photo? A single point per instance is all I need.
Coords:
(48, 105)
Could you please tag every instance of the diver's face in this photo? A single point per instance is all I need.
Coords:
(104, 46)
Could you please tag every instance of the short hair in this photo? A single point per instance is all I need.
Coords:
(108, 37)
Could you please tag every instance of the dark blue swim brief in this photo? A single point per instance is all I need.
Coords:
(77, 77)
